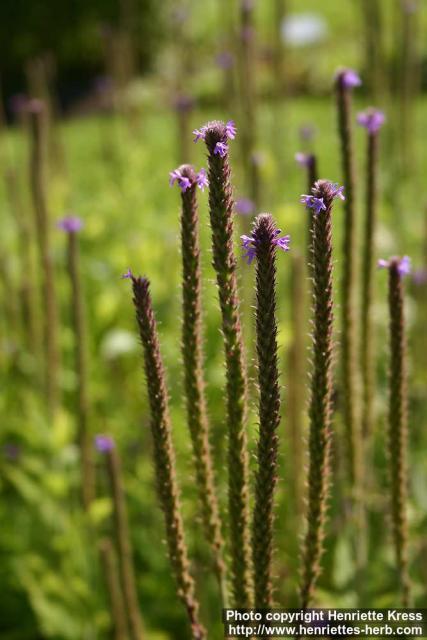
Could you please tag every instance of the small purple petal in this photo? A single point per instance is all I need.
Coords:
(199, 133)
(246, 241)
(221, 149)
(311, 202)
(173, 177)
(128, 275)
(230, 129)
(202, 179)
(404, 267)
(184, 183)
(283, 243)
(337, 191)
(103, 443)
(71, 224)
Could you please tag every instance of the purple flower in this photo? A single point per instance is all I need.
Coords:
(349, 78)
(202, 179)
(221, 149)
(249, 245)
(306, 132)
(419, 277)
(230, 132)
(103, 443)
(11, 451)
(244, 206)
(183, 182)
(183, 103)
(372, 119)
(230, 129)
(35, 106)
(337, 191)
(70, 224)
(303, 159)
(18, 103)
(311, 202)
(104, 84)
(403, 266)
(317, 204)
(224, 60)
(128, 275)
(199, 133)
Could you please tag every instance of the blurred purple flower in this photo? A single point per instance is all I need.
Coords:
(244, 206)
(403, 267)
(303, 159)
(70, 224)
(183, 103)
(11, 451)
(372, 119)
(224, 60)
(307, 132)
(349, 78)
(103, 84)
(247, 33)
(103, 443)
(35, 105)
(128, 275)
(419, 277)
(18, 103)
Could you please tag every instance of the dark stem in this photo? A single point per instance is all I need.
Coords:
(192, 354)
(124, 546)
(366, 342)
(398, 428)
(115, 594)
(348, 284)
(268, 409)
(164, 454)
(224, 262)
(320, 397)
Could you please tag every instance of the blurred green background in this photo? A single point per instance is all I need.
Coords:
(126, 83)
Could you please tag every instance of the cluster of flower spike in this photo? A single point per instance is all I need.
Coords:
(221, 148)
(317, 204)
(249, 244)
(184, 182)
